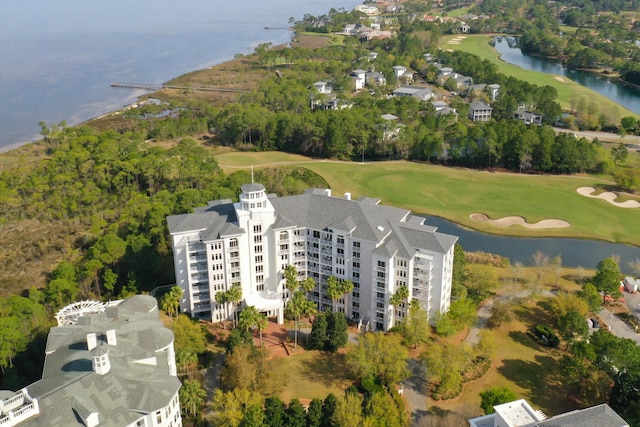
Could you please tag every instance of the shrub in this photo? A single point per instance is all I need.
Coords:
(546, 336)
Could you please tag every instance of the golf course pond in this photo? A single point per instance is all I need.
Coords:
(574, 252)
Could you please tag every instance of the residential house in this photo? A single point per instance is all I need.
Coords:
(520, 414)
(401, 73)
(251, 243)
(391, 127)
(366, 9)
(323, 87)
(359, 78)
(442, 108)
(493, 90)
(480, 112)
(421, 93)
(375, 78)
(528, 117)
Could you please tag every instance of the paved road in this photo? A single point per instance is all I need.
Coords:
(415, 392)
(629, 140)
(618, 327)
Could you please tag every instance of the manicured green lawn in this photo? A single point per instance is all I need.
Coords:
(313, 374)
(570, 93)
(456, 193)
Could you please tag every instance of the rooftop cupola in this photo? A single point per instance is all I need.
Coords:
(253, 197)
(100, 356)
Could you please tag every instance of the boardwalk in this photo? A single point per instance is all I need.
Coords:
(158, 86)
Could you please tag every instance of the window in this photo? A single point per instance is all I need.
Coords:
(257, 249)
(401, 273)
(380, 295)
(159, 417)
(233, 243)
(380, 304)
(341, 240)
(259, 268)
(356, 264)
(260, 287)
(258, 258)
(316, 234)
(340, 251)
(356, 244)
(257, 228)
(284, 235)
(401, 263)
(257, 239)
(381, 274)
(284, 247)
(356, 254)
(260, 279)
(382, 264)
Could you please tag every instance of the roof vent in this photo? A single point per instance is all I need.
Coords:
(327, 192)
(380, 228)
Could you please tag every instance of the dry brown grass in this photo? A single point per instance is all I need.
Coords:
(30, 251)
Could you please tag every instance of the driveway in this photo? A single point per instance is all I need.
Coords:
(618, 327)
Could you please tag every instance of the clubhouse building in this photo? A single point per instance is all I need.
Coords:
(107, 365)
(251, 242)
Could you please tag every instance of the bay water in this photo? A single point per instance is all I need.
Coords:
(58, 58)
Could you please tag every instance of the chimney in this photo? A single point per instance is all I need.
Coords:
(347, 196)
(91, 341)
(111, 337)
(327, 192)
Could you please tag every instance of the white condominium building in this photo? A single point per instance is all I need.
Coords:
(251, 242)
(105, 365)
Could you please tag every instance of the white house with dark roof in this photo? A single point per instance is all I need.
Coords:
(519, 413)
(251, 242)
(111, 366)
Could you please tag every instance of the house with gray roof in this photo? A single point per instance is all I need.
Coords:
(519, 413)
(421, 93)
(107, 365)
(480, 112)
(379, 248)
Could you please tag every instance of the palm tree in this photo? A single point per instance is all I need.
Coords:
(308, 309)
(291, 279)
(250, 316)
(170, 302)
(295, 308)
(222, 299)
(308, 285)
(234, 296)
(192, 397)
(397, 299)
(333, 290)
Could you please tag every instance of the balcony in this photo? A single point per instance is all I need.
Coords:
(201, 307)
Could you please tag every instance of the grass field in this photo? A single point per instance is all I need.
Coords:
(314, 374)
(456, 193)
(570, 93)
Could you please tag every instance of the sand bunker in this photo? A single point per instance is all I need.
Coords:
(560, 79)
(456, 40)
(609, 197)
(508, 221)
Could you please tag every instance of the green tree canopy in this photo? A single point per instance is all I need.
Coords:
(495, 396)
